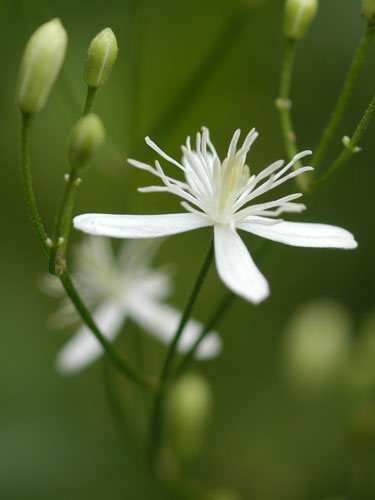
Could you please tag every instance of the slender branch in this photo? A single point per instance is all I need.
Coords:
(62, 227)
(351, 146)
(187, 312)
(29, 195)
(343, 98)
(91, 91)
(216, 316)
(155, 431)
(283, 104)
(116, 359)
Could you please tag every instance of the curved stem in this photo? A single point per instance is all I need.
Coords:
(187, 312)
(283, 104)
(62, 228)
(155, 431)
(350, 147)
(215, 318)
(115, 358)
(31, 205)
(343, 98)
(91, 91)
(217, 315)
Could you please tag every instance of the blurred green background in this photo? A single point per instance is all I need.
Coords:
(265, 440)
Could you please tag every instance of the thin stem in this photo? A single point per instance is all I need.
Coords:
(351, 146)
(283, 104)
(343, 98)
(187, 312)
(62, 228)
(215, 318)
(155, 431)
(91, 91)
(115, 358)
(217, 315)
(31, 205)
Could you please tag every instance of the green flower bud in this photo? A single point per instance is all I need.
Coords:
(87, 135)
(368, 10)
(317, 347)
(298, 16)
(40, 65)
(187, 410)
(101, 57)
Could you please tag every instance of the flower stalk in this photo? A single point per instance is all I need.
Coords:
(156, 418)
(31, 205)
(343, 98)
(350, 146)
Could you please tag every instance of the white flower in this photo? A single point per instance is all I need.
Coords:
(217, 194)
(117, 289)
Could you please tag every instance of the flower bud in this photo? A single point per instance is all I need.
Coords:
(101, 57)
(87, 135)
(298, 16)
(187, 410)
(40, 65)
(368, 10)
(317, 346)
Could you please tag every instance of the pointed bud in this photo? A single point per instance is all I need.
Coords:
(368, 10)
(298, 16)
(87, 135)
(40, 65)
(101, 58)
(187, 409)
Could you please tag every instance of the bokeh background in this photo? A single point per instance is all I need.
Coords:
(182, 65)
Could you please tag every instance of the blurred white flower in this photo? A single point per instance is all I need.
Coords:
(219, 192)
(117, 288)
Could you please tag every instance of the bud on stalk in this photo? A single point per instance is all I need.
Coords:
(40, 66)
(101, 58)
(87, 136)
(298, 16)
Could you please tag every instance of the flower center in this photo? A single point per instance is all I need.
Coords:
(233, 177)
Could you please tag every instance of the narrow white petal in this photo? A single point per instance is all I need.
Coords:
(303, 234)
(236, 268)
(139, 226)
(83, 348)
(161, 321)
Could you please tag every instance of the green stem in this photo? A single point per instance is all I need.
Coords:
(217, 315)
(187, 312)
(91, 91)
(343, 98)
(283, 104)
(155, 433)
(115, 358)
(350, 147)
(62, 228)
(31, 205)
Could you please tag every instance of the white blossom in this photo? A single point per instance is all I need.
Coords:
(222, 194)
(117, 288)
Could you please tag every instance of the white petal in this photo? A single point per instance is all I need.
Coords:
(139, 226)
(303, 234)
(83, 348)
(161, 321)
(236, 268)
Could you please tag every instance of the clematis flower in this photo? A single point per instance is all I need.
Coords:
(222, 194)
(120, 288)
